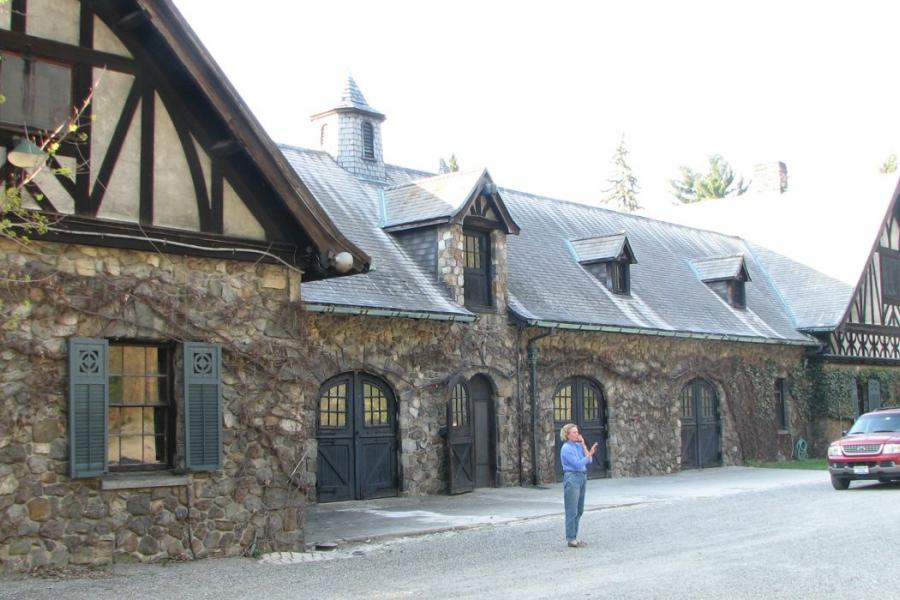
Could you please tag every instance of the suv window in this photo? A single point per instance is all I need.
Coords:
(875, 424)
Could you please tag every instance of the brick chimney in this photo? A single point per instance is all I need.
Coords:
(770, 178)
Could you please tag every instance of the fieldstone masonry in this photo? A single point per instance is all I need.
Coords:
(275, 358)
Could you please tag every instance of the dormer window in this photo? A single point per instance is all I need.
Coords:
(608, 258)
(368, 139)
(726, 276)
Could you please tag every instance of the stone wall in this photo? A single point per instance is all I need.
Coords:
(275, 359)
(420, 359)
(642, 378)
(47, 519)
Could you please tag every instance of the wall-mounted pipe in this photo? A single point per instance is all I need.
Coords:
(532, 354)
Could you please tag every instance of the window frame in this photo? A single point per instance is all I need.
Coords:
(484, 273)
(196, 407)
(172, 411)
(30, 122)
(889, 263)
(782, 417)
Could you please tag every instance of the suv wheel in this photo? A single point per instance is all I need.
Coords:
(839, 483)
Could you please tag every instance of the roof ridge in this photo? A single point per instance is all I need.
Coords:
(433, 178)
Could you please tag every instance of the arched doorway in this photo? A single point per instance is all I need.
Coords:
(581, 401)
(700, 426)
(471, 435)
(356, 429)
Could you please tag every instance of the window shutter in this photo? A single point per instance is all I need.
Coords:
(203, 406)
(88, 400)
(874, 394)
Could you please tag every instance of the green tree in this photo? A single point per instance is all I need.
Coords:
(452, 164)
(623, 187)
(889, 165)
(718, 182)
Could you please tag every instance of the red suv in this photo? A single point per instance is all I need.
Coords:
(870, 450)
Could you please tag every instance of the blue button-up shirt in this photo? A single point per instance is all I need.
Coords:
(573, 458)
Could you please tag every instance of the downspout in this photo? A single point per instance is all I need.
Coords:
(533, 354)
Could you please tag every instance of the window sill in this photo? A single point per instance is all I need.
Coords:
(127, 481)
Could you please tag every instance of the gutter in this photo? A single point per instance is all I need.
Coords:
(665, 333)
(388, 312)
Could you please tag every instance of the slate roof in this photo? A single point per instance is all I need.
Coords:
(394, 283)
(595, 249)
(430, 198)
(352, 98)
(717, 268)
(547, 285)
(815, 300)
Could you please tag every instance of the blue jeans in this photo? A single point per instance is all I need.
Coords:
(574, 488)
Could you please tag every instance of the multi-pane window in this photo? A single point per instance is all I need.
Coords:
(140, 406)
(476, 263)
(38, 93)
(368, 139)
(591, 404)
(890, 277)
(707, 402)
(333, 406)
(562, 404)
(687, 403)
(459, 406)
(781, 414)
(472, 251)
(375, 406)
(122, 409)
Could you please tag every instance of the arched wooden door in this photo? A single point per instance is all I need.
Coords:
(357, 439)
(483, 430)
(581, 401)
(700, 426)
(471, 435)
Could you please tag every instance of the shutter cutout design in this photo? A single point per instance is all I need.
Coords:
(203, 406)
(88, 399)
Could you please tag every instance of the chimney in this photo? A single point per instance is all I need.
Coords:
(770, 178)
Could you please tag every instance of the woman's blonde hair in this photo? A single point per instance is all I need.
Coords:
(564, 432)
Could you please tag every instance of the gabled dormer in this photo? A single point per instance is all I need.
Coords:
(726, 276)
(455, 226)
(608, 258)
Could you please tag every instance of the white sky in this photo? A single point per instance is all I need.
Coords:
(540, 92)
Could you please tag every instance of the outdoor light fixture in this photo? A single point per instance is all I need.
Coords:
(342, 262)
(26, 155)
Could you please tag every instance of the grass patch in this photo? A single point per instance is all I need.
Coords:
(813, 464)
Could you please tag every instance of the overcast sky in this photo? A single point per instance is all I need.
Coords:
(540, 92)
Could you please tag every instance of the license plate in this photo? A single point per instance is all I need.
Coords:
(861, 470)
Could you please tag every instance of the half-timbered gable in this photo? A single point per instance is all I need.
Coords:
(869, 331)
(166, 151)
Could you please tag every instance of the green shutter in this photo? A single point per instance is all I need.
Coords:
(88, 400)
(203, 406)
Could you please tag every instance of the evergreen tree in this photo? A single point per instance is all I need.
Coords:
(718, 182)
(623, 187)
(889, 165)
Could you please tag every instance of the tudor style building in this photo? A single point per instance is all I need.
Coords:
(146, 382)
(170, 389)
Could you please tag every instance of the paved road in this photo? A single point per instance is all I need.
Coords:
(801, 540)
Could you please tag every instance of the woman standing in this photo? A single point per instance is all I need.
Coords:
(575, 457)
